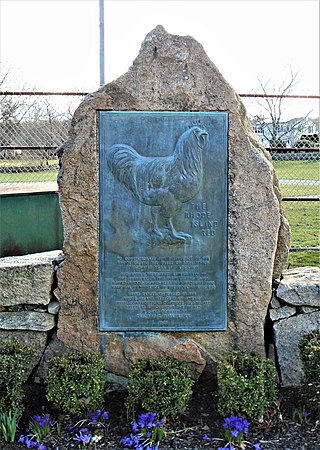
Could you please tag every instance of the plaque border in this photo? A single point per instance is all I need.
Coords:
(224, 322)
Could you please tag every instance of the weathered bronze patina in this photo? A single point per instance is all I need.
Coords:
(163, 221)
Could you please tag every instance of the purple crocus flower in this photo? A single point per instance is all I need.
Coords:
(30, 443)
(42, 447)
(126, 441)
(135, 426)
(105, 415)
(146, 420)
(236, 423)
(257, 446)
(234, 433)
(85, 438)
(21, 439)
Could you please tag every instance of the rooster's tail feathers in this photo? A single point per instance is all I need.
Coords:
(121, 161)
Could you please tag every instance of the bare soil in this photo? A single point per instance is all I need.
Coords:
(186, 432)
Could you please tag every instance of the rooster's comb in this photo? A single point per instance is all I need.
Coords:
(196, 123)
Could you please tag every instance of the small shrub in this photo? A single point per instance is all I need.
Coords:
(15, 359)
(246, 385)
(309, 348)
(76, 382)
(159, 385)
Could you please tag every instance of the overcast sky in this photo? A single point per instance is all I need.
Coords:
(54, 44)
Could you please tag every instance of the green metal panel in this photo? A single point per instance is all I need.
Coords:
(30, 223)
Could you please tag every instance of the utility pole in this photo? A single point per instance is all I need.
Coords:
(101, 17)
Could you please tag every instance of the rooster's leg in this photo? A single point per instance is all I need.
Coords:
(177, 234)
(154, 215)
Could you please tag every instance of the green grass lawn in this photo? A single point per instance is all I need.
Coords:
(29, 177)
(297, 170)
(298, 190)
(27, 162)
(304, 216)
(304, 220)
(303, 259)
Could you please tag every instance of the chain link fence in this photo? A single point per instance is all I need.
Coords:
(33, 125)
(298, 172)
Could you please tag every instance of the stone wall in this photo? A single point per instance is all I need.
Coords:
(28, 309)
(171, 73)
(294, 312)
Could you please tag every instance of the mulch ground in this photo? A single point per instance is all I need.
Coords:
(187, 431)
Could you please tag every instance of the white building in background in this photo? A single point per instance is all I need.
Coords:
(287, 133)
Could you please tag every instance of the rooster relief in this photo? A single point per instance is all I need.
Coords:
(162, 182)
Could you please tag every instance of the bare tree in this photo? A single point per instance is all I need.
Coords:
(270, 125)
(13, 110)
(30, 121)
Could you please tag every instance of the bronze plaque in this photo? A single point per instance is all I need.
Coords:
(163, 221)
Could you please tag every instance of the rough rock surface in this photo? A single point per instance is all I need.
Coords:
(54, 348)
(171, 73)
(54, 307)
(288, 333)
(31, 276)
(294, 311)
(300, 286)
(122, 352)
(282, 313)
(27, 320)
